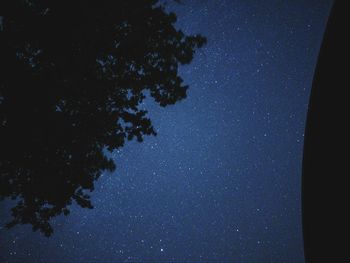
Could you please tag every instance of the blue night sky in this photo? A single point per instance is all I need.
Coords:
(221, 182)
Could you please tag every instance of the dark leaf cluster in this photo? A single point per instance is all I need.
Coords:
(72, 77)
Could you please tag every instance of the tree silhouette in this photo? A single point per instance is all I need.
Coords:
(72, 77)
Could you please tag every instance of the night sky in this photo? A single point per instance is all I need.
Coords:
(221, 182)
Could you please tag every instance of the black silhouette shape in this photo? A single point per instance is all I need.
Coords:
(325, 164)
(72, 77)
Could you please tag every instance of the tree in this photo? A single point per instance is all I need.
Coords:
(72, 77)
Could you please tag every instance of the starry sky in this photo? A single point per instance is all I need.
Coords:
(221, 182)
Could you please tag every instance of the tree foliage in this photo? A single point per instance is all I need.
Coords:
(72, 77)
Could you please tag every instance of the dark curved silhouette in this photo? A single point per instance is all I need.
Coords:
(325, 168)
(72, 75)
